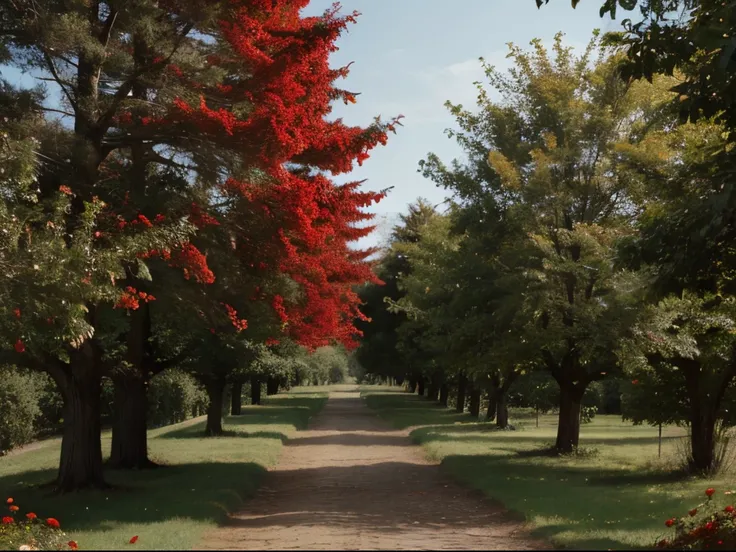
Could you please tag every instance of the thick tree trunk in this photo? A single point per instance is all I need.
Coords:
(502, 410)
(491, 412)
(255, 390)
(412, 386)
(702, 440)
(420, 388)
(272, 386)
(80, 464)
(474, 406)
(444, 394)
(236, 399)
(129, 449)
(215, 392)
(130, 429)
(461, 383)
(568, 428)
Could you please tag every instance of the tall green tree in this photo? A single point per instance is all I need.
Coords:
(554, 177)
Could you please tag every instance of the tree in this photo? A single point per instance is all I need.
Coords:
(379, 351)
(553, 178)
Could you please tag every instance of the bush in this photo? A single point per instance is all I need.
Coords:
(27, 531)
(174, 396)
(705, 527)
(18, 408)
(51, 405)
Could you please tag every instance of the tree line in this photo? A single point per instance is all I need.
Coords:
(587, 238)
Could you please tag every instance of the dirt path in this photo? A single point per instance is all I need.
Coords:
(351, 482)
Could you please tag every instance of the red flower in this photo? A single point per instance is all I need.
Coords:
(51, 522)
(728, 509)
(16, 312)
(31, 515)
(73, 545)
(98, 234)
(693, 512)
(709, 492)
(709, 526)
(634, 382)
(670, 522)
(13, 508)
(7, 520)
(65, 190)
(9, 501)
(134, 539)
(212, 330)
(19, 346)
(662, 543)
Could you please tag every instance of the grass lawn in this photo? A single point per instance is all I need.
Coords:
(168, 508)
(618, 497)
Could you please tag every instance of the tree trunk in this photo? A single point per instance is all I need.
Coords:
(433, 390)
(412, 386)
(461, 382)
(444, 394)
(502, 410)
(80, 464)
(420, 388)
(474, 406)
(272, 386)
(215, 392)
(491, 412)
(568, 427)
(236, 399)
(255, 390)
(129, 449)
(702, 440)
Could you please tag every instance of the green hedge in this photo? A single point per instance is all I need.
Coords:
(19, 398)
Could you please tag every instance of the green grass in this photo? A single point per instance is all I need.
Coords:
(617, 497)
(168, 508)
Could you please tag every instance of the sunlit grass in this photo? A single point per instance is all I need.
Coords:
(168, 508)
(617, 496)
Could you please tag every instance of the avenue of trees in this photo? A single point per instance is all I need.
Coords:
(587, 244)
(167, 203)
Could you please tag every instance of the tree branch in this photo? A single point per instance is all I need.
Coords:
(57, 78)
(103, 122)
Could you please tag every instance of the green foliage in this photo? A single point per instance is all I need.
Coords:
(327, 365)
(19, 395)
(173, 396)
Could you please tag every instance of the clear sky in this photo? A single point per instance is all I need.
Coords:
(410, 57)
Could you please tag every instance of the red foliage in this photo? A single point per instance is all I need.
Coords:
(277, 63)
(716, 528)
(193, 263)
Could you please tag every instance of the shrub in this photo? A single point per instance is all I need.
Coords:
(174, 396)
(27, 531)
(51, 405)
(18, 408)
(704, 527)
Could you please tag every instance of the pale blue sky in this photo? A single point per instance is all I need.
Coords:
(412, 55)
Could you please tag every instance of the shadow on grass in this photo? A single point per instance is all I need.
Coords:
(281, 410)
(406, 410)
(608, 502)
(352, 440)
(199, 491)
